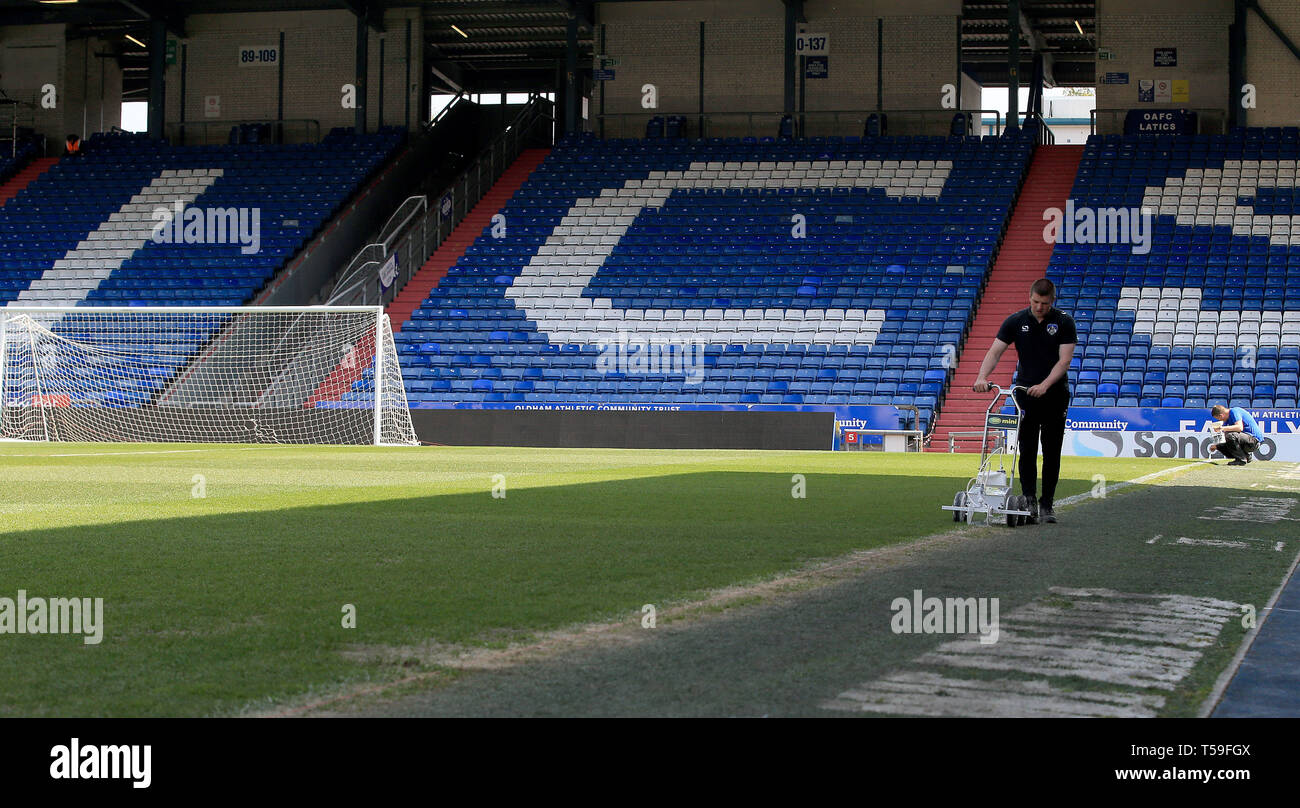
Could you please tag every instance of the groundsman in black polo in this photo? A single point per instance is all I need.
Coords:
(1044, 337)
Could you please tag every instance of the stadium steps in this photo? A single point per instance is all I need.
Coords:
(426, 279)
(1022, 259)
(347, 372)
(25, 177)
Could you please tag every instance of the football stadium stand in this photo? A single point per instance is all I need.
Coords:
(822, 271)
(1212, 311)
(83, 231)
(812, 272)
(83, 234)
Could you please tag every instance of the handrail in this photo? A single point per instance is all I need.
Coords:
(383, 244)
(442, 113)
(1045, 134)
(175, 129)
(364, 257)
(418, 236)
(838, 119)
(13, 105)
(417, 202)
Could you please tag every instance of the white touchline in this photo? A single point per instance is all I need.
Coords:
(1087, 495)
(106, 454)
(1238, 543)
(554, 279)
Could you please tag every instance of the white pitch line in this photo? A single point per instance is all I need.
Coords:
(1229, 543)
(1077, 498)
(272, 446)
(1129, 643)
(1255, 509)
(107, 454)
(1127, 665)
(924, 693)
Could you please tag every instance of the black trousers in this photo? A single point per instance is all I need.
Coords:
(1043, 420)
(1238, 445)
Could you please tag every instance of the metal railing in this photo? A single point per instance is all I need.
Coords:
(16, 114)
(912, 437)
(415, 237)
(200, 133)
(1209, 120)
(1045, 135)
(355, 283)
(816, 123)
(442, 113)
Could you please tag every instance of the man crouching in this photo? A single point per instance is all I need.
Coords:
(1241, 435)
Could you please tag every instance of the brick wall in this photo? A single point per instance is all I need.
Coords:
(1272, 68)
(319, 57)
(673, 67)
(744, 64)
(744, 59)
(31, 56)
(92, 97)
(920, 57)
(1133, 29)
(851, 84)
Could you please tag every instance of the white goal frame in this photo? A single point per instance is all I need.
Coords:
(19, 323)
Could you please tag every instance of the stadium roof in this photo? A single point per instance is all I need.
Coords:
(500, 45)
(494, 45)
(1065, 32)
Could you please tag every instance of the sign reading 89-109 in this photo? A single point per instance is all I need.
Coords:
(258, 55)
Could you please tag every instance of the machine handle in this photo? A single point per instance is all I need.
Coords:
(1013, 388)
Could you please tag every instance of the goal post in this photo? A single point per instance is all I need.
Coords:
(253, 374)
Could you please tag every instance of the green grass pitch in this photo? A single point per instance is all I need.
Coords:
(225, 569)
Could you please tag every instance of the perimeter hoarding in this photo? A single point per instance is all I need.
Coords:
(1171, 433)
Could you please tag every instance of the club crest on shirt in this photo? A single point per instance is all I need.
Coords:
(1051, 329)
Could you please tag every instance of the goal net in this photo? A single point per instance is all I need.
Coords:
(311, 374)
